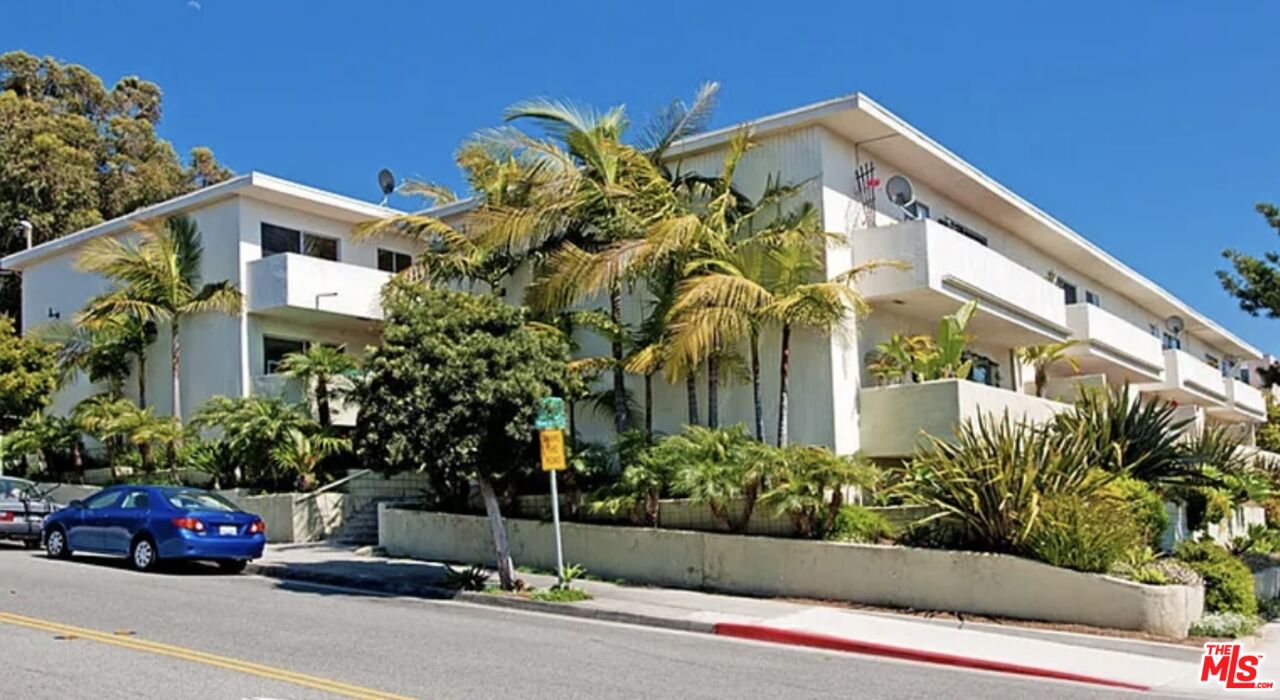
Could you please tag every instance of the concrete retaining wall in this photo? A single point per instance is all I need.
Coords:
(291, 520)
(923, 579)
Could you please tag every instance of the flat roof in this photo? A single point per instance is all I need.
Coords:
(882, 133)
(254, 184)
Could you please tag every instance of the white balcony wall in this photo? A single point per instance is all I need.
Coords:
(301, 282)
(895, 419)
(1247, 399)
(1111, 344)
(1190, 374)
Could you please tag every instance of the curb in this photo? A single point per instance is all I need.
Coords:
(760, 633)
(821, 641)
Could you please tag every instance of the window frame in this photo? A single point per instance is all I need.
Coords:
(1065, 285)
(1091, 297)
(266, 363)
(395, 259)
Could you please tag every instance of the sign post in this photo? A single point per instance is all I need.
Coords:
(550, 424)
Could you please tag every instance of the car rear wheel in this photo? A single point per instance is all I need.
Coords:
(55, 544)
(232, 566)
(142, 555)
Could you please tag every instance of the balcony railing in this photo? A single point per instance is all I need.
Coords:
(300, 283)
(1113, 346)
(1246, 399)
(1192, 380)
(947, 269)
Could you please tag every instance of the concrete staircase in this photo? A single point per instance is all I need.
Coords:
(361, 526)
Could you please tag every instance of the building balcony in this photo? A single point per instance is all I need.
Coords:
(314, 290)
(1189, 380)
(1015, 305)
(1113, 347)
(1244, 403)
(291, 390)
(895, 419)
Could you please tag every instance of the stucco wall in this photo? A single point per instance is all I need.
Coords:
(922, 579)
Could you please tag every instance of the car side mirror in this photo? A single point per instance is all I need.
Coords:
(76, 504)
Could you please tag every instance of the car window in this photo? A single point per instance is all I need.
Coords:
(137, 500)
(103, 500)
(201, 500)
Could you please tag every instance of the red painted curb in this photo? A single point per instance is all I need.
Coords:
(822, 641)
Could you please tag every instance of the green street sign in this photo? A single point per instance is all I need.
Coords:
(550, 414)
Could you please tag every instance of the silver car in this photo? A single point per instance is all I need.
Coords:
(22, 510)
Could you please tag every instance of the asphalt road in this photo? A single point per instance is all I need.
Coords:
(91, 628)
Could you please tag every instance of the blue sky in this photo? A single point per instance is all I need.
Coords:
(1150, 127)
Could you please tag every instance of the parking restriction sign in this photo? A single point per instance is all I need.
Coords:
(552, 450)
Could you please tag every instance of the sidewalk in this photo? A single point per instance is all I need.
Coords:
(1117, 663)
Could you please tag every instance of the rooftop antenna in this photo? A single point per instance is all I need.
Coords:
(387, 183)
(25, 228)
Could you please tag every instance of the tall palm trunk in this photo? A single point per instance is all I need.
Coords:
(755, 384)
(322, 400)
(175, 360)
(648, 405)
(691, 391)
(784, 375)
(501, 546)
(142, 380)
(619, 374)
(713, 391)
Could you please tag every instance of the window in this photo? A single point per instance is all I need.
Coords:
(393, 261)
(278, 239)
(1155, 331)
(1244, 375)
(984, 370)
(1069, 292)
(1091, 298)
(1212, 361)
(274, 350)
(1170, 341)
(106, 499)
(963, 230)
(918, 209)
(138, 500)
(201, 500)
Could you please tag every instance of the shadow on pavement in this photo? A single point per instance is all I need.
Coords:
(372, 578)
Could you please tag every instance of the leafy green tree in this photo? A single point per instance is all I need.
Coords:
(453, 391)
(28, 375)
(317, 366)
(54, 438)
(74, 154)
(1254, 282)
(157, 279)
(104, 350)
(253, 427)
(300, 453)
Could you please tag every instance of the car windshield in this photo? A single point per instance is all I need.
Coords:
(201, 500)
(15, 488)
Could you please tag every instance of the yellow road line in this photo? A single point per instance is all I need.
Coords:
(223, 662)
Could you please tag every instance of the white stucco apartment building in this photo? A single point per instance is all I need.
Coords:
(965, 237)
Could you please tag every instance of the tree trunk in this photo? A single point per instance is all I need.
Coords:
(713, 392)
(1042, 379)
(755, 384)
(784, 374)
(648, 405)
(571, 408)
(142, 380)
(175, 359)
(502, 548)
(322, 401)
(619, 374)
(691, 390)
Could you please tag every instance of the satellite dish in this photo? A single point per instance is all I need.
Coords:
(1174, 324)
(387, 183)
(900, 191)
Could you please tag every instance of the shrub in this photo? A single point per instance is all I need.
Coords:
(993, 478)
(1272, 508)
(811, 485)
(1144, 503)
(560, 595)
(1269, 609)
(1228, 583)
(470, 579)
(1142, 566)
(1138, 438)
(718, 466)
(1228, 624)
(858, 524)
(1085, 535)
(938, 533)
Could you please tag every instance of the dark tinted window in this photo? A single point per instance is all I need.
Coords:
(274, 350)
(138, 500)
(391, 261)
(278, 239)
(1069, 292)
(201, 500)
(320, 246)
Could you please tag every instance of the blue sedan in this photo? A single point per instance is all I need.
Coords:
(148, 524)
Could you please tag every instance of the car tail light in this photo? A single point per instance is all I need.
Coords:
(257, 527)
(188, 524)
(6, 517)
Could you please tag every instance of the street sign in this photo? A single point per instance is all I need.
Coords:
(552, 450)
(550, 414)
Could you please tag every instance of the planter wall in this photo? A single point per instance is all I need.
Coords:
(290, 520)
(923, 579)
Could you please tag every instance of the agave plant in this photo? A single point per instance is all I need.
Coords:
(993, 479)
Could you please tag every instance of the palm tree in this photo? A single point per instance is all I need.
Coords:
(774, 277)
(1044, 357)
(158, 280)
(106, 419)
(102, 350)
(317, 366)
(301, 453)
